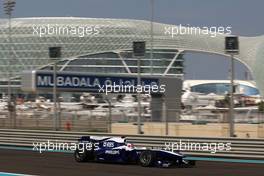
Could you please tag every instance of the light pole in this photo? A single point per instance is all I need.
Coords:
(232, 48)
(108, 99)
(8, 8)
(165, 118)
(109, 120)
(55, 105)
(139, 51)
(151, 33)
(231, 119)
(55, 53)
(138, 96)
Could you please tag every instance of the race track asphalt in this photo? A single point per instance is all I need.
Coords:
(63, 164)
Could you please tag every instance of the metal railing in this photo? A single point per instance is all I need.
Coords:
(240, 148)
(45, 121)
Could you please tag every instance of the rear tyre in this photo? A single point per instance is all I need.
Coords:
(83, 156)
(147, 158)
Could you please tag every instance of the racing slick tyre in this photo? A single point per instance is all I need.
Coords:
(147, 158)
(86, 155)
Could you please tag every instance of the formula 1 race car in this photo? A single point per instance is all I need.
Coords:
(117, 150)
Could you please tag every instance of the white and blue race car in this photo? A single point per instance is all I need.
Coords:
(117, 150)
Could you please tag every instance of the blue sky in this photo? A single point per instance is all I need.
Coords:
(244, 16)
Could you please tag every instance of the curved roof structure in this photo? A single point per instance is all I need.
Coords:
(221, 87)
(30, 50)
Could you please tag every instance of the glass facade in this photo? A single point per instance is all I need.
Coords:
(224, 88)
(124, 62)
(247, 90)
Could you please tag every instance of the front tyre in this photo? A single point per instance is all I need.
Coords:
(147, 158)
(83, 156)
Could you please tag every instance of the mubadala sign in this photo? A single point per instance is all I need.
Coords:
(91, 82)
(66, 81)
(164, 88)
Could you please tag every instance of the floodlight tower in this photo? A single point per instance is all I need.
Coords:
(232, 48)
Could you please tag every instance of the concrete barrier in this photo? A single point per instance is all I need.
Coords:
(239, 147)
